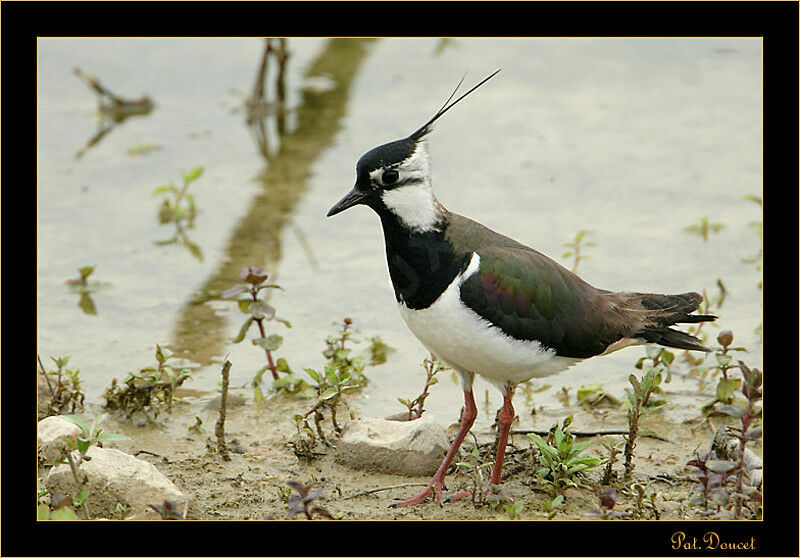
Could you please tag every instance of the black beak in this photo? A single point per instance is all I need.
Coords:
(353, 197)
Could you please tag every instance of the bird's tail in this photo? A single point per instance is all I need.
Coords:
(667, 310)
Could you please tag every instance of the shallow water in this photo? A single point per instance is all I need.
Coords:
(631, 139)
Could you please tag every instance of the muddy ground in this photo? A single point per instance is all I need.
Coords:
(252, 485)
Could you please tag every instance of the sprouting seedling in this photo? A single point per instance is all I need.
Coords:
(704, 228)
(64, 384)
(258, 312)
(90, 435)
(415, 406)
(149, 389)
(300, 500)
(178, 207)
(639, 403)
(560, 460)
(576, 248)
(85, 288)
(342, 373)
(726, 387)
(177, 203)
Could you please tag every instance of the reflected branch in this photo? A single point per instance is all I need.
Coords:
(200, 334)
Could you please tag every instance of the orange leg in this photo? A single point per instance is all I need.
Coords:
(437, 483)
(506, 418)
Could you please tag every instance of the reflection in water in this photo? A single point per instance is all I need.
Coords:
(112, 109)
(199, 333)
(178, 208)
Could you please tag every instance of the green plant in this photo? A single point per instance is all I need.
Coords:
(90, 435)
(576, 248)
(177, 204)
(613, 451)
(258, 312)
(550, 507)
(476, 469)
(342, 373)
(639, 403)
(85, 288)
(148, 390)
(432, 367)
(178, 207)
(378, 351)
(560, 460)
(704, 228)
(594, 395)
(515, 509)
(715, 476)
(659, 359)
(64, 385)
(143, 149)
(726, 387)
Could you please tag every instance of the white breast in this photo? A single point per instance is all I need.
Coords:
(469, 343)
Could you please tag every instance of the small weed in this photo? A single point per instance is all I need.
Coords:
(550, 507)
(178, 207)
(613, 452)
(639, 403)
(342, 373)
(90, 435)
(148, 390)
(515, 509)
(143, 149)
(85, 288)
(299, 502)
(722, 481)
(594, 396)
(576, 248)
(64, 384)
(169, 509)
(258, 312)
(659, 359)
(726, 387)
(561, 464)
(378, 351)
(704, 228)
(415, 406)
(476, 470)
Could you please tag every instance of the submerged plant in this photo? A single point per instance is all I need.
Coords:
(178, 207)
(576, 248)
(85, 288)
(704, 228)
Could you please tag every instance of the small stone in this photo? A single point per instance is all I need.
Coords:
(410, 448)
(115, 478)
(52, 434)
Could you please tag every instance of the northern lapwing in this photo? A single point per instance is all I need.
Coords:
(485, 304)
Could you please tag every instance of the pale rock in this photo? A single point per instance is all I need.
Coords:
(410, 448)
(116, 477)
(52, 434)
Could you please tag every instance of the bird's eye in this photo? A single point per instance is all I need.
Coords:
(390, 176)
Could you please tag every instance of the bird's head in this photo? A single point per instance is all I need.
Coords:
(396, 177)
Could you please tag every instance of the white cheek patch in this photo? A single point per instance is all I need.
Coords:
(414, 205)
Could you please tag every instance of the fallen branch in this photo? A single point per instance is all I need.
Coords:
(365, 492)
(588, 434)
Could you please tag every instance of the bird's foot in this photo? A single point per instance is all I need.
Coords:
(435, 487)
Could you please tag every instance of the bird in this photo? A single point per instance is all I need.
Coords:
(487, 305)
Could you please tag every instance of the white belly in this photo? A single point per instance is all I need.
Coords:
(469, 343)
